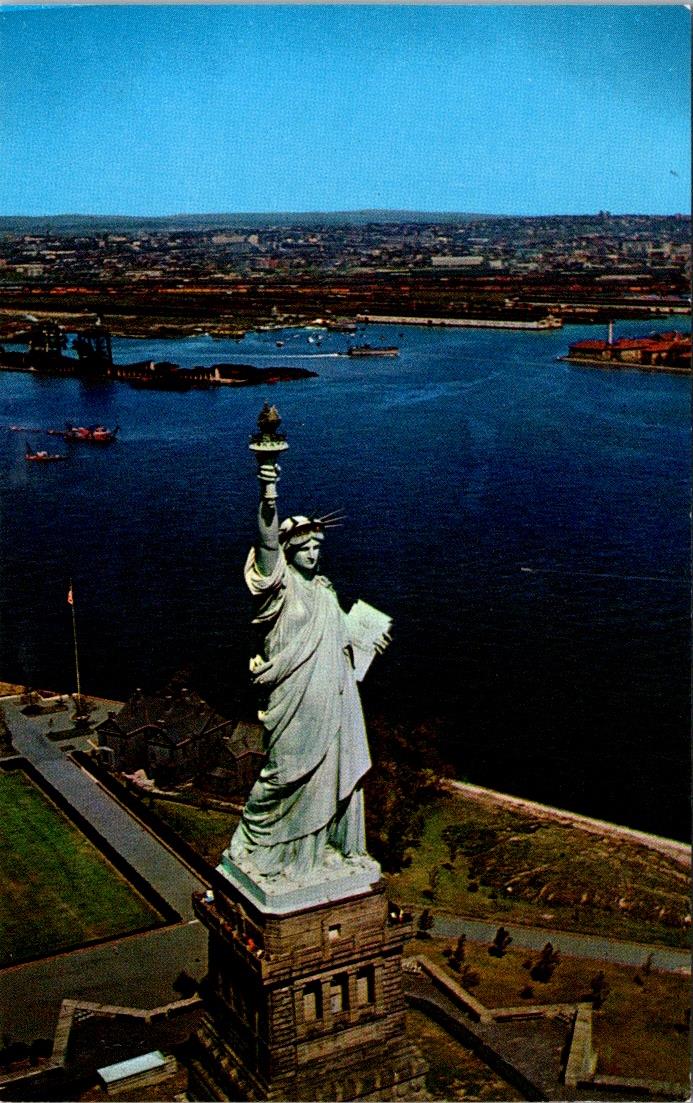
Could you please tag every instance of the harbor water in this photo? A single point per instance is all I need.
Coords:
(523, 521)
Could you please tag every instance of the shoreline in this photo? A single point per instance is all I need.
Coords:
(618, 365)
(679, 851)
(127, 325)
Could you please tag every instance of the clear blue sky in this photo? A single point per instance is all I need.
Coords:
(512, 110)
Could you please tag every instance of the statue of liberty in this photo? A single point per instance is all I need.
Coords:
(304, 818)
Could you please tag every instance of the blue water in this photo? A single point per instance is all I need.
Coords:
(524, 522)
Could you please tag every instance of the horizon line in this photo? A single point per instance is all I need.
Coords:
(349, 211)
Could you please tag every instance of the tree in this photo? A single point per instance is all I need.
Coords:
(433, 882)
(469, 978)
(460, 949)
(684, 1027)
(500, 943)
(546, 964)
(451, 839)
(14, 1051)
(599, 990)
(456, 954)
(424, 924)
(400, 788)
(40, 1049)
(185, 985)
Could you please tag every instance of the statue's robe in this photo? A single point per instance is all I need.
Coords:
(307, 796)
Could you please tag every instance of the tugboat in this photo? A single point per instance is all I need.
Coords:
(41, 457)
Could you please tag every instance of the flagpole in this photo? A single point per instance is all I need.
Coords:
(71, 603)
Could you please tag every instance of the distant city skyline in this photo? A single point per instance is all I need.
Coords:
(158, 110)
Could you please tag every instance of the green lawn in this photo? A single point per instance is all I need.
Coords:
(57, 891)
(641, 1029)
(510, 867)
(207, 830)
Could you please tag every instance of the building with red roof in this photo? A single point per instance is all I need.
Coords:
(666, 351)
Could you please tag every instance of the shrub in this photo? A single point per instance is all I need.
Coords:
(544, 967)
(500, 943)
(185, 985)
(424, 924)
(469, 978)
(599, 990)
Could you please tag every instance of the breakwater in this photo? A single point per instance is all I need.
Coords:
(548, 322)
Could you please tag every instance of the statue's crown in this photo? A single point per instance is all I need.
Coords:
(294, 530)
(297, 529)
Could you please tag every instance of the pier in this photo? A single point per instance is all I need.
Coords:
(548, 322)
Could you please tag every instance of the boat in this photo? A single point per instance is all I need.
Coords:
(372, 350)
(90, 434)
(41, 457)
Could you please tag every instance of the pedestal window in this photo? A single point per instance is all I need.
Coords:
(312, 1002)
(365, 986)
(339, 993)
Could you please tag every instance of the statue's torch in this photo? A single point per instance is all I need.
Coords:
(268, 444)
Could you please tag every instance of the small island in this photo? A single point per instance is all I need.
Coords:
(661, 352)
(46, 355)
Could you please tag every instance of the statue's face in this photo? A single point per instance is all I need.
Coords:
(306, 557)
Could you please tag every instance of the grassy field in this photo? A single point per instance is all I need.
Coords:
(507, 867)
(207, 830)
(58, 891)
(640, 1030)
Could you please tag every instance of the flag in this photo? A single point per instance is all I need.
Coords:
(70, 599)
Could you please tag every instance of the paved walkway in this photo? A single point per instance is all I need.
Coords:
(137, 971)
(598, 947)
(141, 850)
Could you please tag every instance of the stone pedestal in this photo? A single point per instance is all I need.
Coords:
(305, 1004)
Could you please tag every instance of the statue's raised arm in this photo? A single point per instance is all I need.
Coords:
(267, 544)
(268, 444)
